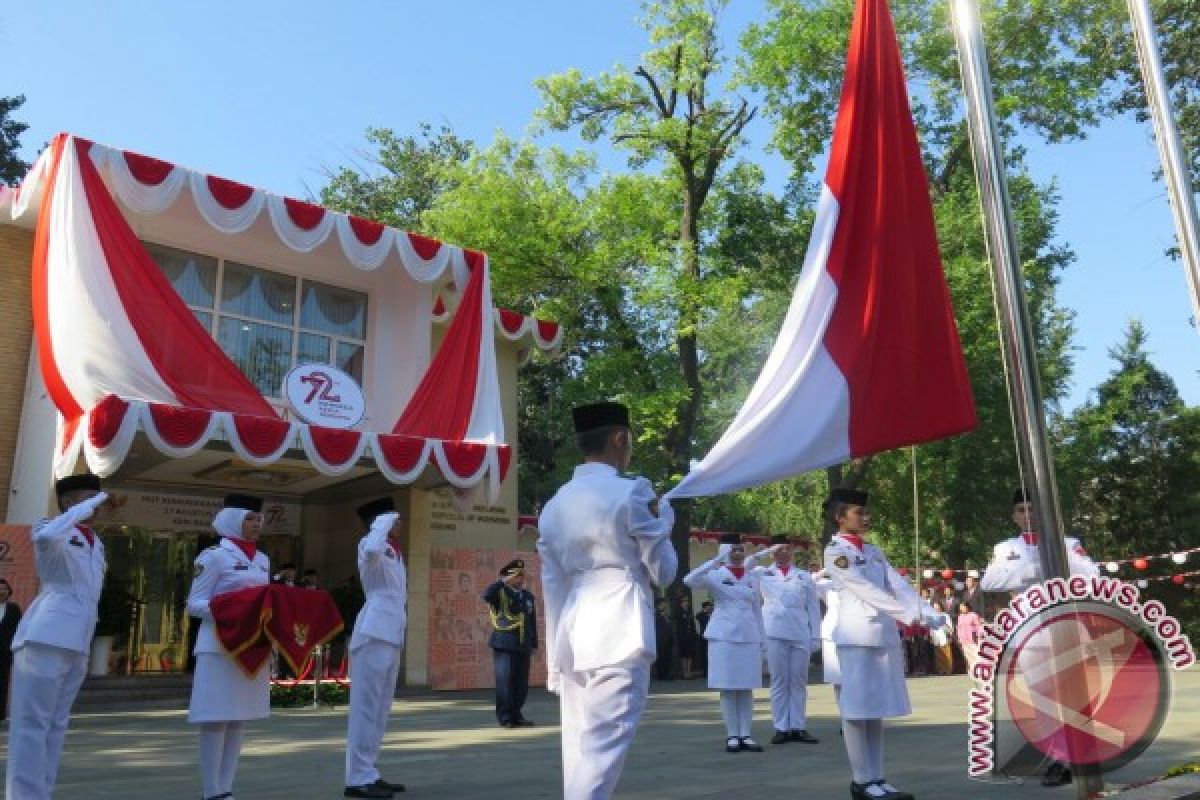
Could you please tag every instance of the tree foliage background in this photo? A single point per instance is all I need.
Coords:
(671, 276)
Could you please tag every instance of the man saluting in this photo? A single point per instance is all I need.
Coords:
(602, 547)
(50, 648)
(513, 640)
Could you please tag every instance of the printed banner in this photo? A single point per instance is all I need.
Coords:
(459, 627)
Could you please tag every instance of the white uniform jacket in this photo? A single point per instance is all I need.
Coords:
(70, 576)
(385, 583)
(872, 596)
(737, 616)
(601, 549)
(1017, 565)
(791, 608)
(219, 569)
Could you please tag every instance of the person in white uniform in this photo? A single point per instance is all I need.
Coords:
(224, 698)
(1017, 564)
(791, 611)
(50, 647)
(376, 648)
(830, 673)
(736, 640)
(602, 549)
(872, 598)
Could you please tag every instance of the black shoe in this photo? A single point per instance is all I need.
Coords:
(803, 736)
(733, 745)
(748, 744)
(523, 723)
(396, 788)
(892, 793)
(368, 790)
(1058, 775)
(507, 723)
(780, 737)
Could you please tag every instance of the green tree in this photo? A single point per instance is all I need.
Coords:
(12, 168)
(669, 113)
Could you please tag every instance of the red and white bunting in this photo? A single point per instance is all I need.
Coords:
(109, 430)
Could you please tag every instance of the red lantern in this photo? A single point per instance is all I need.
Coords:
(1141, 563)
(903, 572)
(1177, 580)
(947, 574)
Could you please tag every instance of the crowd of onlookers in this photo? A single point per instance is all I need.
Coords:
(943, 643)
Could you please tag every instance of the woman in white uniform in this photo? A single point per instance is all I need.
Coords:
(736, 643)
(223, 696)
(872, 597)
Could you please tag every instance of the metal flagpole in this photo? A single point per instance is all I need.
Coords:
(1170, 149)
(916, 522)
(1001, 237)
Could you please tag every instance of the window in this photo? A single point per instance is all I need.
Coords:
(252, 313)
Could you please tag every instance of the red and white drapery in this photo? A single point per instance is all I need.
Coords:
(120, 351)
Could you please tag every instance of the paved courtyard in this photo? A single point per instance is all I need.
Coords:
(447, 746)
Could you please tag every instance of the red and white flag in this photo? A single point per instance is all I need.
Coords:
(868, 358)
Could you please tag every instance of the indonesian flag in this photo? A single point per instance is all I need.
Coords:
(295, 620)
(868, 358)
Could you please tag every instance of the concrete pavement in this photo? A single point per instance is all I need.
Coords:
(446, 745)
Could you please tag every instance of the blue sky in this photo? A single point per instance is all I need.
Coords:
(271, 93)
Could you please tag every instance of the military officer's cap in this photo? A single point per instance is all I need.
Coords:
(853, 497)
(75, 483)
(730, 538)
(1020, 496)
(779, 538)
(246, 501)
(367, 512)
(600, 415)
(514, 567)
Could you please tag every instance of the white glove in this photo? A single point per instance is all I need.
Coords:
(666, 513)
(723, 551)
(84, 509)
(385, 521)
(554, 681)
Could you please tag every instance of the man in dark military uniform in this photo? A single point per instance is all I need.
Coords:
(513, 640)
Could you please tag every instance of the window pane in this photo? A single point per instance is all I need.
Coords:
(194, 276)
(262, 352)
(350, 359)
(313, 349)
(253, 292)
(204, 318)
(337, 311)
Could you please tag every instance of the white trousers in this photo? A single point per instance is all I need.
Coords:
(600, 710)
(864, 748)
(374, 667)
(45, 681)
(220, 751)
(737, 709)
(788, 664)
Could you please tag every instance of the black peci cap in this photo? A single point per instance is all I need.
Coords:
(599, 415)
(246, 501)
(1020, 496)
(730, 538)
(780, 538)
(512, 568)
(367, 512)
(75, 483)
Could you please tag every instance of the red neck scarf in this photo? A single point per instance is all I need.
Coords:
(395, 543)
(738, 572)
(87, 534)
(854, 539)
(247, 547)
(785, 568)
(1030, 538)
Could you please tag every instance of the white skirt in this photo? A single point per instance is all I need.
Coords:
(873, 685)
(734, 665)
(831, 671)
(221, 692)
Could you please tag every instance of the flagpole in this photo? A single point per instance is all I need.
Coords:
(1017, 331)
(1170, 149)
